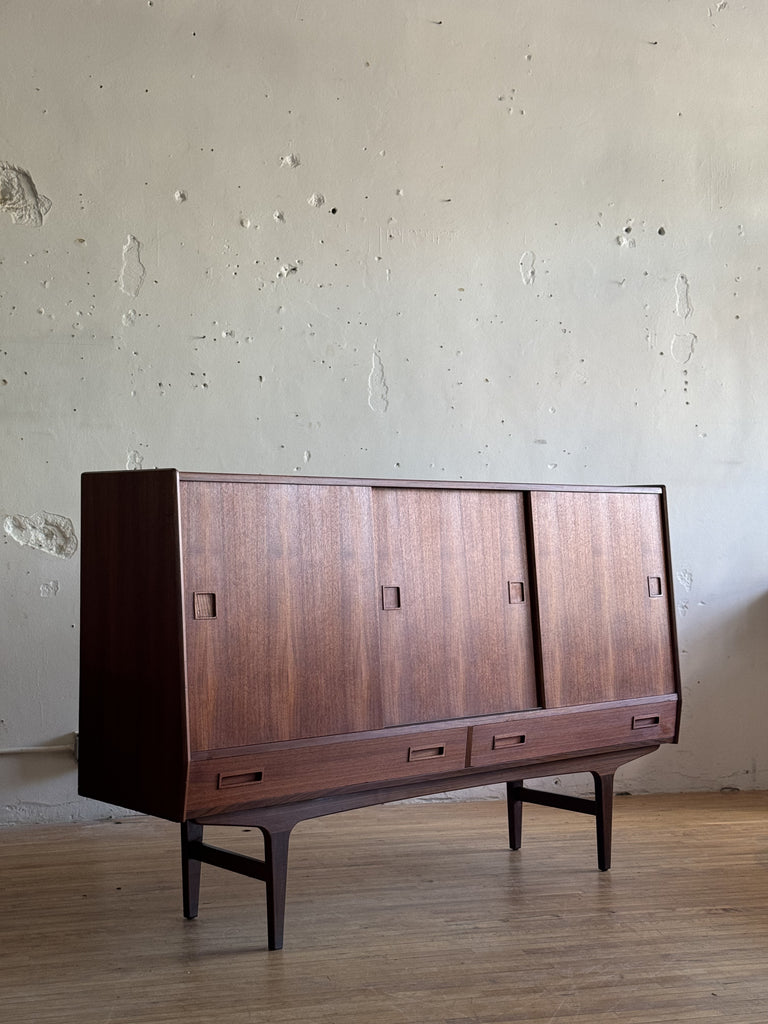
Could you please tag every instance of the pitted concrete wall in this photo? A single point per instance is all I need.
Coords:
(521, 241)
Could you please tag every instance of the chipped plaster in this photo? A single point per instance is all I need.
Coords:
(19, 196)
(45, 531)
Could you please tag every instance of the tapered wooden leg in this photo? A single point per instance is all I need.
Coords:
(276, 865)
(190, 868)
(515, 814)
(604, 817)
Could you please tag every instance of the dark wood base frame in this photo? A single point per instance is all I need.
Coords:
(277, 821)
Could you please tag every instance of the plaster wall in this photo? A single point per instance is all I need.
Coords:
(502, 240)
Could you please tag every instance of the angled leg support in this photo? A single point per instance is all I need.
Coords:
(601, 808)
(273, 871)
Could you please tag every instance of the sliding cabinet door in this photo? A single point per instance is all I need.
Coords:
(280, 623)
(604, 596)
(454, 604)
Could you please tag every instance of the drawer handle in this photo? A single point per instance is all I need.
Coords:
(645, 721)
(239, 779)
(511, 740)
(425, 753)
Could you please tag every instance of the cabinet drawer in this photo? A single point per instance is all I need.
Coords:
(558, 733)
(282, 773)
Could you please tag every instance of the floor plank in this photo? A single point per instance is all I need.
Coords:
(400, 914)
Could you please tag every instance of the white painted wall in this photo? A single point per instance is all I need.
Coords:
(541, 256)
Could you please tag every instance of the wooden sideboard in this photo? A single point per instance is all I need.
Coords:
(259, 650)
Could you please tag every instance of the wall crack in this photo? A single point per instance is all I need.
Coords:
(378, 389)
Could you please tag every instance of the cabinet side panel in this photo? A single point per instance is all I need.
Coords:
(603, 588)
(132, 711)
(280, 611)
(454, 604)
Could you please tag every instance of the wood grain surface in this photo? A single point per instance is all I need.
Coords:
(604, 597)
(401, 915)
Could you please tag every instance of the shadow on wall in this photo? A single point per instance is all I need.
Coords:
(725, 700)
(722, 707)
(724, 716)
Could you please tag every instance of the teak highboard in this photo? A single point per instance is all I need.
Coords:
(259, 650)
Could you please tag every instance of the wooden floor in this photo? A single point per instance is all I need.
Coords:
(412, 914)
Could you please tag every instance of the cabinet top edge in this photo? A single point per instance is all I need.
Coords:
(474, 485)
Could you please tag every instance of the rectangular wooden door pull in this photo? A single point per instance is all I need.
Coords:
(204, 605)
(390, 598)
(516, 592)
